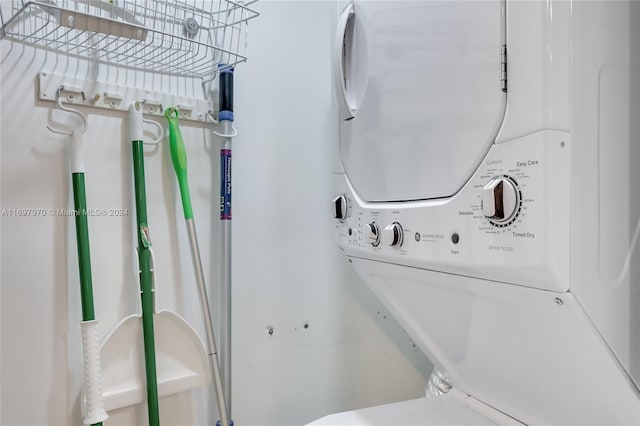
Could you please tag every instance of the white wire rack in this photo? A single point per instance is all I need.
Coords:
(187, 38)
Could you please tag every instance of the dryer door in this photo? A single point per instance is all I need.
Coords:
(420, 85)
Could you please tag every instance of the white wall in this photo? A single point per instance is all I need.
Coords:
(287, 271)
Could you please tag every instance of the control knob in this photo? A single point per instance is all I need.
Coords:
(392, 235)
(374, 233)
(340, 207)
(501, 200)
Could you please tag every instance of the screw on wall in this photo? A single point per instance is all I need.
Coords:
(271, 330)
(306, 325)
(559, 301)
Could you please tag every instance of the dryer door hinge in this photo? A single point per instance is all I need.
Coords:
(503, 68)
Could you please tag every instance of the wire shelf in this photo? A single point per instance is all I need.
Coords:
(181, 38)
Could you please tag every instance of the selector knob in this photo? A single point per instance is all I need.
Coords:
(500, 200)
(392, 235)
(340, 207)
(374, 233)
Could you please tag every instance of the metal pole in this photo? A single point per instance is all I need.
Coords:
(226, 118)
(206, 313)
(225, 270)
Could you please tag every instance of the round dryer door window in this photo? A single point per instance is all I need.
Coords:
(422, 94)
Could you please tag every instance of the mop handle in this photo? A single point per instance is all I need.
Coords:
(179, 160)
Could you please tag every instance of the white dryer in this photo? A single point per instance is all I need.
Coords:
(488, 191)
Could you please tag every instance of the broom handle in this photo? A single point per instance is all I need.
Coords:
(146, 291)
(96, 413)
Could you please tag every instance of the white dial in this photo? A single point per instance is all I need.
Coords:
(340, 207)
(373, 233)
(500, 200)
(392, 235)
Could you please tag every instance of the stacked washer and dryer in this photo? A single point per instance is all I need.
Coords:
(488, 192)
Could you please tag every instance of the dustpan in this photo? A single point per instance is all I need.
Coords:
(182, 361)
(153, 354)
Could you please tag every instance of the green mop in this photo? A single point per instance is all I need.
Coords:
(179, 159)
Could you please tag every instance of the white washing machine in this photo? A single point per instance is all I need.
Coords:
(488, 191)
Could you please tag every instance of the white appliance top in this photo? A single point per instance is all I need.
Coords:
(423, 84)
(451, 409)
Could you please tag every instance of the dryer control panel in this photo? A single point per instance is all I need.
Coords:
(509, 223)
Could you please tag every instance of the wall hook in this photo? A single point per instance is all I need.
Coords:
(66, 130)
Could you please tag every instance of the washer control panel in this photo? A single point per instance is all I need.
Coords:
(508, 223)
